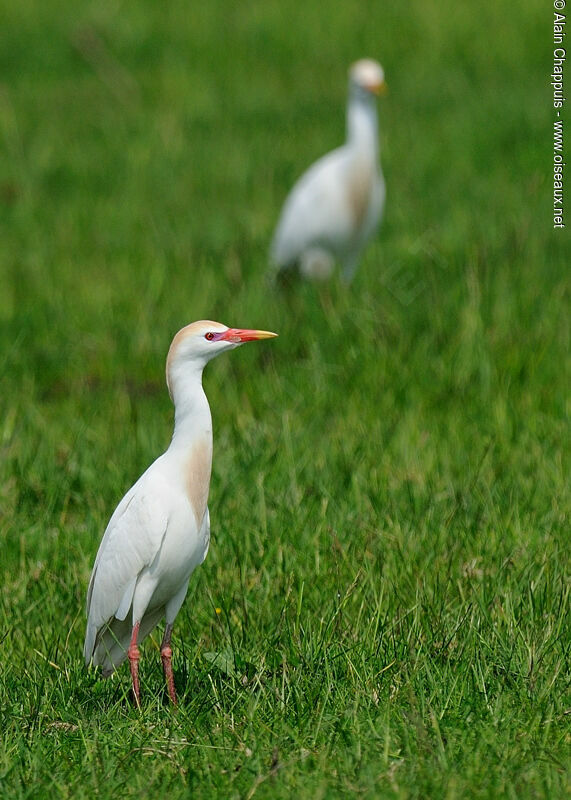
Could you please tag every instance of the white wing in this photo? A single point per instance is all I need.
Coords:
(131, 542)
(316, 210)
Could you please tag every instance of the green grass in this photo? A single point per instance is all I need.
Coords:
(387, 589)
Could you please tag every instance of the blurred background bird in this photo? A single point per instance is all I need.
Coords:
(160, 531)
(335, 207)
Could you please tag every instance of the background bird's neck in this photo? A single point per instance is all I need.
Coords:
(362, 125)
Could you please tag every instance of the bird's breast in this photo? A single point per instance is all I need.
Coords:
(197, 477)
(361, 179)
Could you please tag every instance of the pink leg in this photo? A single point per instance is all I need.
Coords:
(133, 655)
(166, 655)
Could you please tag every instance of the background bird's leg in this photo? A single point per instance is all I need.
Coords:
(133, 655)
(166, 655)
(349, 269)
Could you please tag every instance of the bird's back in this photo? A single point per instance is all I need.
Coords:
(310, 210)
(335, 205)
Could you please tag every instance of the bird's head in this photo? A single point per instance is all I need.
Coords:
(368, 77)
(194, 346)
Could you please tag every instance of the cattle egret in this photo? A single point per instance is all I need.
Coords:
(335, 207)
(160, 531)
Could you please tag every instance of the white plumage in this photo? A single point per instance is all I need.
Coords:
(160, 531)
(336, 206)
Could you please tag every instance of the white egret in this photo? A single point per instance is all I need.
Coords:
(335, 207)
(160, 531)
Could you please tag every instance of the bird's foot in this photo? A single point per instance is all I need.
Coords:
(133, 656)
(166, 655)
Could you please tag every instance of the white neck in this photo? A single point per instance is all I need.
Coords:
(362, 124)
(192, 419)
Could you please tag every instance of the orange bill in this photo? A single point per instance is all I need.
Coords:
(240, 335)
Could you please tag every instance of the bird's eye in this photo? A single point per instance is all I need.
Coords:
(209, 336)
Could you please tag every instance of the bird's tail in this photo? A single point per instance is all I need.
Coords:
(108, 647)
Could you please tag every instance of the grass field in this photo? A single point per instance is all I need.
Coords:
(384, 611)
